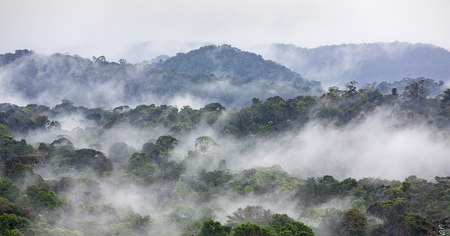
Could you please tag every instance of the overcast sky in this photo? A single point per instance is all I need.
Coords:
(110, 27)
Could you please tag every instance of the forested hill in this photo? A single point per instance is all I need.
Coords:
(209, 74)
(227, 61)
(160, 170)
(364, 63)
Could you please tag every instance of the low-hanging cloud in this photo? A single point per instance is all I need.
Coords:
(380, 146)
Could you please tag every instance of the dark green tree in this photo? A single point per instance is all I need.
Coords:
(212, 228)
(283, 225)
(416, 92)
(416, 224)
(249, 229)
(354, 223)
(10, 224)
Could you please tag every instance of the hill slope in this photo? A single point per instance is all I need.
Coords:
(227, 61)
(364, 63)
(209, 74)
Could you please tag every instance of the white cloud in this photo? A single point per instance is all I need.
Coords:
(110, 27)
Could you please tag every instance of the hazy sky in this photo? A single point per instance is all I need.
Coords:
(95, 26)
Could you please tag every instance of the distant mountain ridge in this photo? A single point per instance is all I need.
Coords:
(209, 74)
(364, 63)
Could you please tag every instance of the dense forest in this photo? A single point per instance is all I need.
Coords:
(225, 118)
(163, 170)
(211, 73)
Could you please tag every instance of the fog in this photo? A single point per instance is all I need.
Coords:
(30, 78)
(378, 144)
(104, 175)
(381, 145)
(112, 28)
(335, 65)
(47, 79)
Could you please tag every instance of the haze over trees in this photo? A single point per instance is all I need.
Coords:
(219, 73)
(364, 63)
(268, 153)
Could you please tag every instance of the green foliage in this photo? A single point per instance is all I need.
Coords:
(14, 232)
(283, 225)
(152, 116)
(50, 231)
(359, 204)
(319, 190)
(204, 144)
(139, 166)
(411, 207)
(264, 180)
(251, 214)
(86, 159)
(378, 230)
(417, 225)
(388, 209)
(249, 229)
(166, 142)
(9, 190)
(212, 228)
(11, 224)
(433, 87)
(354, 223)
(5, 134)
(24, 119)
(277, 225)
(42, 198)
(154, 163)
(416, 92)
(325, 220)
(341, 107)
(187, 120)
(193, 228)
(132, 224)
(275, 114)
(9, 207)
(215, 178)
(213, 107)
(12, 149)
(391, 211)
(334, 92)
(351, 89)
(23, 175)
